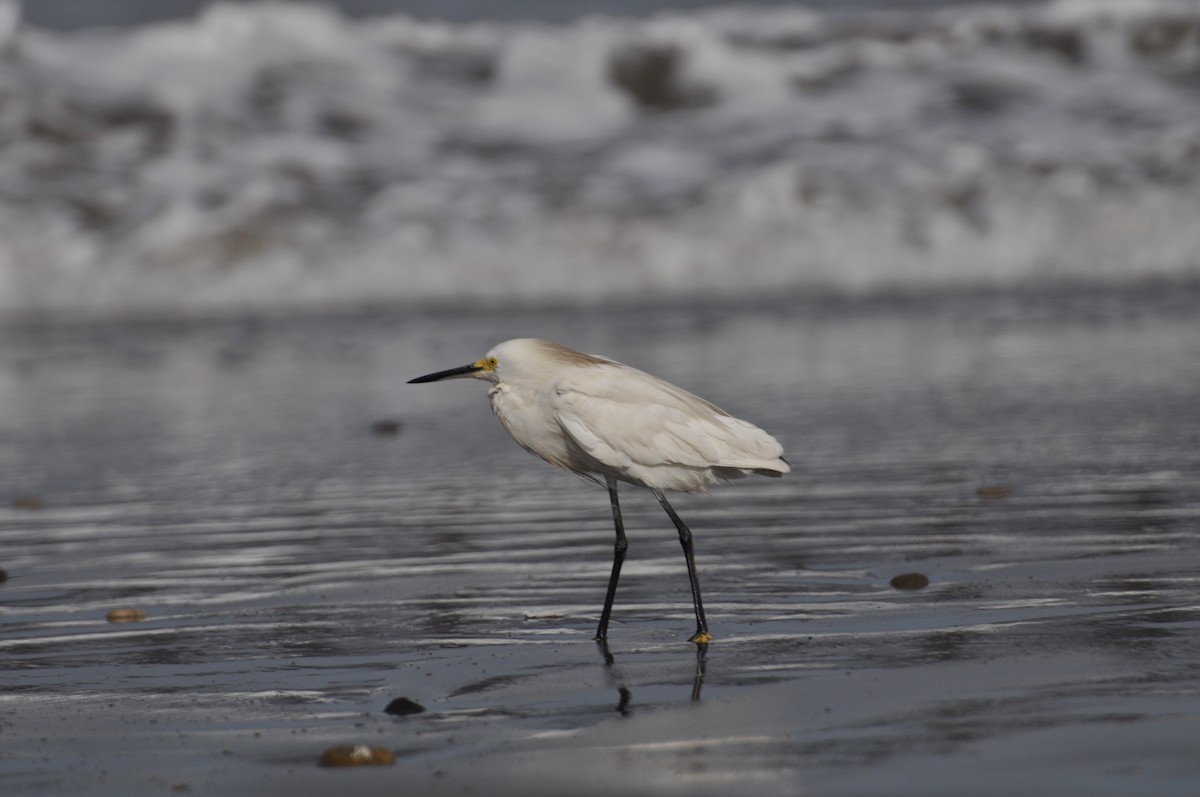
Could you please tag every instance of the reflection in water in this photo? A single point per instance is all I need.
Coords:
(623, 703)
(698, 679)
(626, 694)
(609, 659)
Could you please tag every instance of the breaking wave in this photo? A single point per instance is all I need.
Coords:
(284, 156)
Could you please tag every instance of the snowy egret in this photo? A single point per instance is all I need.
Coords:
(605, 420)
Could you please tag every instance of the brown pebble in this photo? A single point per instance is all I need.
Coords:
(27, 502)
(356, 756)
(910, 581)
(126, 615)
(386, 427)
(994, 491)
(402, 707)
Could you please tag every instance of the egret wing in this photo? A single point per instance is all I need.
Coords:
(626, 418)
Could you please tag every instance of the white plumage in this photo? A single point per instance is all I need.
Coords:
(595, 416)
(607, 421)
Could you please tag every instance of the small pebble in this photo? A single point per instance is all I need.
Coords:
(402, 707)
(386, 427)
(3, 575)
(27, 502)
(126, 616)
(356, 756)
(910, 581)
(994, 491)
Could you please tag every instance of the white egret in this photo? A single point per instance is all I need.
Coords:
(605, 420)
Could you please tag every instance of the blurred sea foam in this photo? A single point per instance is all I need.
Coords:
(283, 156)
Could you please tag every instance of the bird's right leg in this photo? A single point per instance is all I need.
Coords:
(702, 636)
(618, 558)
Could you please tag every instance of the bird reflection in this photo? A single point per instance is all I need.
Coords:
(698, 678)
(625, 694)
(623, 703)
(609, 659)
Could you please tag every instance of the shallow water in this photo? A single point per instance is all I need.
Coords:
(299, 571)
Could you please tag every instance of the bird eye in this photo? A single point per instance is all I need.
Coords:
(491, 363)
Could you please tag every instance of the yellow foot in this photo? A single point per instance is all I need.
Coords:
(701, 638)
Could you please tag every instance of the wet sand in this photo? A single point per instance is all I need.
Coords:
(1037, 457)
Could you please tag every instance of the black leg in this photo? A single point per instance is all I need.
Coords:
(685, 539)
(618, 558)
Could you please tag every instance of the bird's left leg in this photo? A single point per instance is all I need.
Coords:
(685, 539)
(618, 558)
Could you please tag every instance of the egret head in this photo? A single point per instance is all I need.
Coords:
(517, 361)
(480, 369)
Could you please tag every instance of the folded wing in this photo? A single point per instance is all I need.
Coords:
(635, 424)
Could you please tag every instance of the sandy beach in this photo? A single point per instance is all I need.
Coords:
(300, 565)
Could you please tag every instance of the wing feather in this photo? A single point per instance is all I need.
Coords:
(625, 418)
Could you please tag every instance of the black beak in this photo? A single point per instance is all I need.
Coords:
(462, 370)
